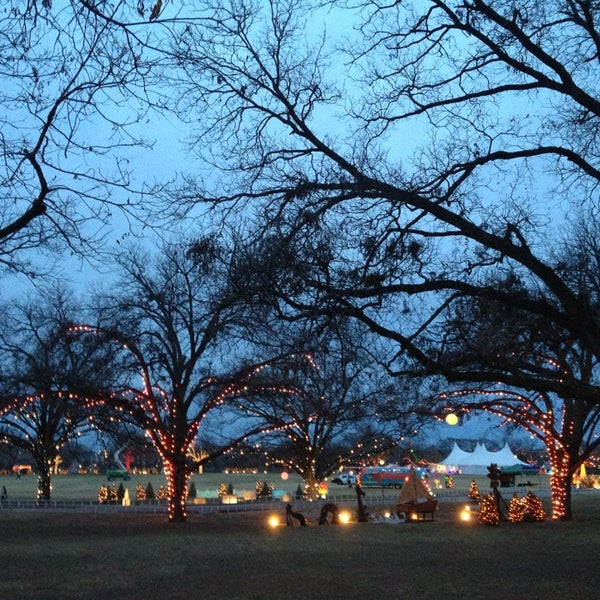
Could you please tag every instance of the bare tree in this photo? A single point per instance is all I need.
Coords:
(76, 98)
(177, 325)
(341, 390)
(51, 387)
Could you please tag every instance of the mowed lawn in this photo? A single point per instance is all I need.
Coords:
(48, 554)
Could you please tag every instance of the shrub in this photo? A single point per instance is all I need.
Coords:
(192, 493)
(149, 492)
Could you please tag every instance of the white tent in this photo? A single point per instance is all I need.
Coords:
(456, 457)
(477, 462)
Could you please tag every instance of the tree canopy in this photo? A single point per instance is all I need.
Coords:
(76, 94)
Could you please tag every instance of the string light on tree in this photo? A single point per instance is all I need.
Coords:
(103, 495)
(534, 510)
(474, 493)
(516, 509)
(140, 492)
(488, 510)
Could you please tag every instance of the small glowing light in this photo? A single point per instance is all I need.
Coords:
(344, 517)
(465, 514)
(451, 419)
(273, 521)
(285, 475)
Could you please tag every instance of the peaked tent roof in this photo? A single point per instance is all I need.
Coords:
(506, 457)
(456, 456)
(481, 456)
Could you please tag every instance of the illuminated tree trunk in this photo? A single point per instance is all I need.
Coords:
(560, 483)
(306, 468)
(177, 478)
(43, 464)
(311, 485)
(44, 490)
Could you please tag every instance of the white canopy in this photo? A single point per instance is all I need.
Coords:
(477, 462)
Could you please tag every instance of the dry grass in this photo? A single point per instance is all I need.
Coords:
(50, 555)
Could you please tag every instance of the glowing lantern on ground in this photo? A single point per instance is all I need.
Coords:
(344, 517)
(273, 521)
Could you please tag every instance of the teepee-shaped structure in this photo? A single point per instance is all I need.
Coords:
(415, 500)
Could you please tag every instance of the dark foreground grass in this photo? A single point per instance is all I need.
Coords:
(237, 556)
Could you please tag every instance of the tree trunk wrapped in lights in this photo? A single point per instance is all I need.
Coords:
(44, 491)
(177, 480)
(311, 486)
(561, 474)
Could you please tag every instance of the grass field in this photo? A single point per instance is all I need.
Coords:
(60, 555)
(85, 487)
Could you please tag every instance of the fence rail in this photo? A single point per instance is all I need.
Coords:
(212, 506)
(160, 506)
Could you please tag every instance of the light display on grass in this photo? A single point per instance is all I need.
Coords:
(334, 401)
(565, 427)
(474, 493)
(534, 510)
(516, 509)
(113, 494)
(172, 420)
(488, 510)
(150, 491)
(140, 492)
(103, 495)
(263, 489)
(527, 508)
